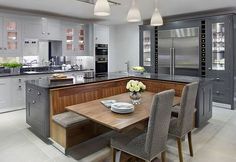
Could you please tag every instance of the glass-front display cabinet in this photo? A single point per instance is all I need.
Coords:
(220, 57)
(218, 46)
(147, 47)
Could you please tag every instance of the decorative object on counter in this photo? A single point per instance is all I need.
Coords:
(156, 19)
(138, 69)
(58, 79)
(135, 87)
(122, 108)
(108, 103)
(102, 8)
(134, 13)
(89, 74)
(13, 66)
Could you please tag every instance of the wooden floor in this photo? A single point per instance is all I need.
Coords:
(213, 143)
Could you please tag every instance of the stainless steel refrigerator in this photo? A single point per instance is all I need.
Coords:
(178, 51)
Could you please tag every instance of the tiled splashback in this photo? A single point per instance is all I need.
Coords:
(10, 59)
(86, 61)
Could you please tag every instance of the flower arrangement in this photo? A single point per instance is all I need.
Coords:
(135, 86)
(139, 69)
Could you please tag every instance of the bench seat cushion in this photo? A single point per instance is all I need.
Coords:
(68, 119)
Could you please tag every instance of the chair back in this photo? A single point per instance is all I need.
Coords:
(187, 105)
(159, 121)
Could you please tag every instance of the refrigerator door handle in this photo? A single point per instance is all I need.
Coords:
(171, 72)
(173, 66)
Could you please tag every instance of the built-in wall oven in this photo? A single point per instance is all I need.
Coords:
(101, 52)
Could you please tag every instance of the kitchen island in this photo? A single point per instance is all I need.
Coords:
(45, 100)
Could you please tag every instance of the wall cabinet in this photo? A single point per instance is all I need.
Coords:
(41, 28)
(76, 39)
(101, 34)
(10, 35)
(147, 48)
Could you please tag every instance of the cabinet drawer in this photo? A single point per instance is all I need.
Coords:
(221, 95)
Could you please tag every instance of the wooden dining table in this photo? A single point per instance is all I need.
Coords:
(97, 112)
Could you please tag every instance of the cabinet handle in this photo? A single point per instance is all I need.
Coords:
(48, 33)
(39, 93)
(33, 101)
(5, 48)
(218, 79)
(209, 68)
(43, 32)
(218, 92)
(0, 48)
(19, 87)
(19, 80)
(29, 90)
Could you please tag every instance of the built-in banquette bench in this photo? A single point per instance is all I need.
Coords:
(69, 129)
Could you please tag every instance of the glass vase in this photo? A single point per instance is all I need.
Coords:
(135, 97)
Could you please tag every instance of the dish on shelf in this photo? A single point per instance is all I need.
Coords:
(122, 108)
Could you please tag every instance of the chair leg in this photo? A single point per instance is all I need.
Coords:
(163, 156)
(180, 149)
(190, 143)
(113, 154)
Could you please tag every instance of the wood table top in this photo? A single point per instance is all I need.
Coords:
(97, 112)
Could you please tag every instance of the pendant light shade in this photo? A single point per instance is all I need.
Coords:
(156, 19)
(102, 8)
(134, 13)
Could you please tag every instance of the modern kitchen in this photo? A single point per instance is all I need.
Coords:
(117, 81)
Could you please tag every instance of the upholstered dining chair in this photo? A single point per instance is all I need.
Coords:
(149, 144)
(182, 124)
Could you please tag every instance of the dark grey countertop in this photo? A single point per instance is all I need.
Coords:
(77, 80)
(42, 72)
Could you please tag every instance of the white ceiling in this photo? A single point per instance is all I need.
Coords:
(118, 13)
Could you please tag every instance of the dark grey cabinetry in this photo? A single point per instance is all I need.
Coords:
(219, 57)
(204, 103)
(37, 109)
(147, 47)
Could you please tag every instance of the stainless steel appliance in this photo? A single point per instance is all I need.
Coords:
(178, 51)
(101, 52)
(88, 74)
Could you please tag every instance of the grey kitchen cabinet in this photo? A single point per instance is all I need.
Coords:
(51, 29)
(204, 103)
(37, 109)
(219, 57)
(147, 53)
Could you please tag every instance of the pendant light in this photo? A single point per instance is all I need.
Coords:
(156, 19)
(102, 8)
(134, 13)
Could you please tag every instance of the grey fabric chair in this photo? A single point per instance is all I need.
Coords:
(148, 145)
(183, 124)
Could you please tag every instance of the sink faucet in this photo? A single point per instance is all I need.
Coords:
(127, 66)
(33, 61)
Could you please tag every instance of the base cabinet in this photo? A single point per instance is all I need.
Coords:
(37, 112)
(204, 104)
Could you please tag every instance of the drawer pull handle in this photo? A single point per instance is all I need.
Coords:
(39, 93)
(29, 90)
(34, 102)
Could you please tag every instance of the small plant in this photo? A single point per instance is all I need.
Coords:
(12, 65)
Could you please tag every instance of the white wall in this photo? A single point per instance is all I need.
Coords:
(123, 46)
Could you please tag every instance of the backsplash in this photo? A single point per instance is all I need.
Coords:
(10, 59)
(86, 61)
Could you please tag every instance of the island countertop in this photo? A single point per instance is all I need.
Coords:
(78, 80)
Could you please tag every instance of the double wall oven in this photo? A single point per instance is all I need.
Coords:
(101, 53)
